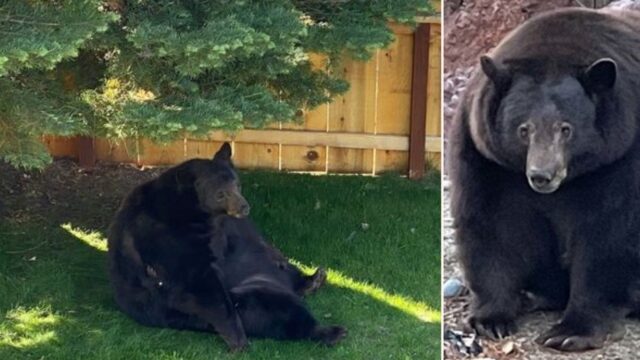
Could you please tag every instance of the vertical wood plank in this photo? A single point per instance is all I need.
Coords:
(86, 152)
(306, 158)
(394, 97)
(347, 114)
(433, 95)
(418, 101)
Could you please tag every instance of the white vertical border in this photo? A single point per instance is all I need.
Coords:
(442, 171)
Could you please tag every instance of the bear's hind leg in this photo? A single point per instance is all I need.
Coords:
(204, 300)
(270, 312)
(308, 284)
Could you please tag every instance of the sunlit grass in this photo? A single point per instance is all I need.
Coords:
(92, 238)
(415, 308)
(24, 328)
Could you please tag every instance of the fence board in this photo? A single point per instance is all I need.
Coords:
(61, 146)
(320, 138)
(122, 151)
(347, 114)
(202, 149)
(155, 154)
(304, 158)
(307, 158)
(394, 97)
(255, 155)
(434, 93)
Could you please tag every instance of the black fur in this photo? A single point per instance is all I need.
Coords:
(178, 259)
(578, 247)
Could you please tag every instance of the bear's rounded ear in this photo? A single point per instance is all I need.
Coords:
(601, 75)
(224, 153)
(500, 77)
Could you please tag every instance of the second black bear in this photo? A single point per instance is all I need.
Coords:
(545, 167)
(183, 255)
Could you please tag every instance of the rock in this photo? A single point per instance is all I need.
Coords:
(508, 347)
(464, 343)
(452, 288)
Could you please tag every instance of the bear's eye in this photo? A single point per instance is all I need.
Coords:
(566, 130)
(220, 195)
(523, 131)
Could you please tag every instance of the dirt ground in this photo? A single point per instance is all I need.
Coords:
(60, 192)
(472, 28)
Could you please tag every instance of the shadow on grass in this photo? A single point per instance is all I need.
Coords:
(56, 303)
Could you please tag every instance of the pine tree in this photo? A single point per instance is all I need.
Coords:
(162, 69)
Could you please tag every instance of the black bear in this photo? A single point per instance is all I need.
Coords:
(184, 255)
(544, 161)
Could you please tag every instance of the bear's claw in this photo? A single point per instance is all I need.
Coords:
(494, 329)
(564, 337)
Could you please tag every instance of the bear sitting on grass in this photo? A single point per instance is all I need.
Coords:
(545, 169)
(183, 255)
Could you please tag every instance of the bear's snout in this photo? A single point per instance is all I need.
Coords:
(545, 181)
(540, 178)
(244, 209)
(238, 206)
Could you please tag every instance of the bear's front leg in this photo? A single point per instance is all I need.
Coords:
(603, 267)
(493, 279)
(500, 249)
(205, 297)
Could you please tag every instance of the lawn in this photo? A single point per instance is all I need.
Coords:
(379, 238)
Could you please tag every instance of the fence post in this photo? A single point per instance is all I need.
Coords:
(86, 152)
(417, 132)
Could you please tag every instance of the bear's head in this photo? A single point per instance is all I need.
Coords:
(214, 182)
(218, 186)
(544, 121)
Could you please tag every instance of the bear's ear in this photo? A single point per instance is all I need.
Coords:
(601, 75)
(500, 77)
(224, 153)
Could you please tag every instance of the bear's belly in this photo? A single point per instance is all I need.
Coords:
(255, 262)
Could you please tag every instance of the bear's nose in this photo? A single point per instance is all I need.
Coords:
(540, 179)
(245, 209)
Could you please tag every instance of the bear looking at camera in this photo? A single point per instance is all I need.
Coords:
(544, 161)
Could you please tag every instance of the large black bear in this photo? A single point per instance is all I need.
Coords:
(544, 160)
(183, 255)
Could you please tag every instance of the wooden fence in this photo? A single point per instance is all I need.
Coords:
(388, 121)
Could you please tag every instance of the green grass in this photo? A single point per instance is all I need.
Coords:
(55, 300)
